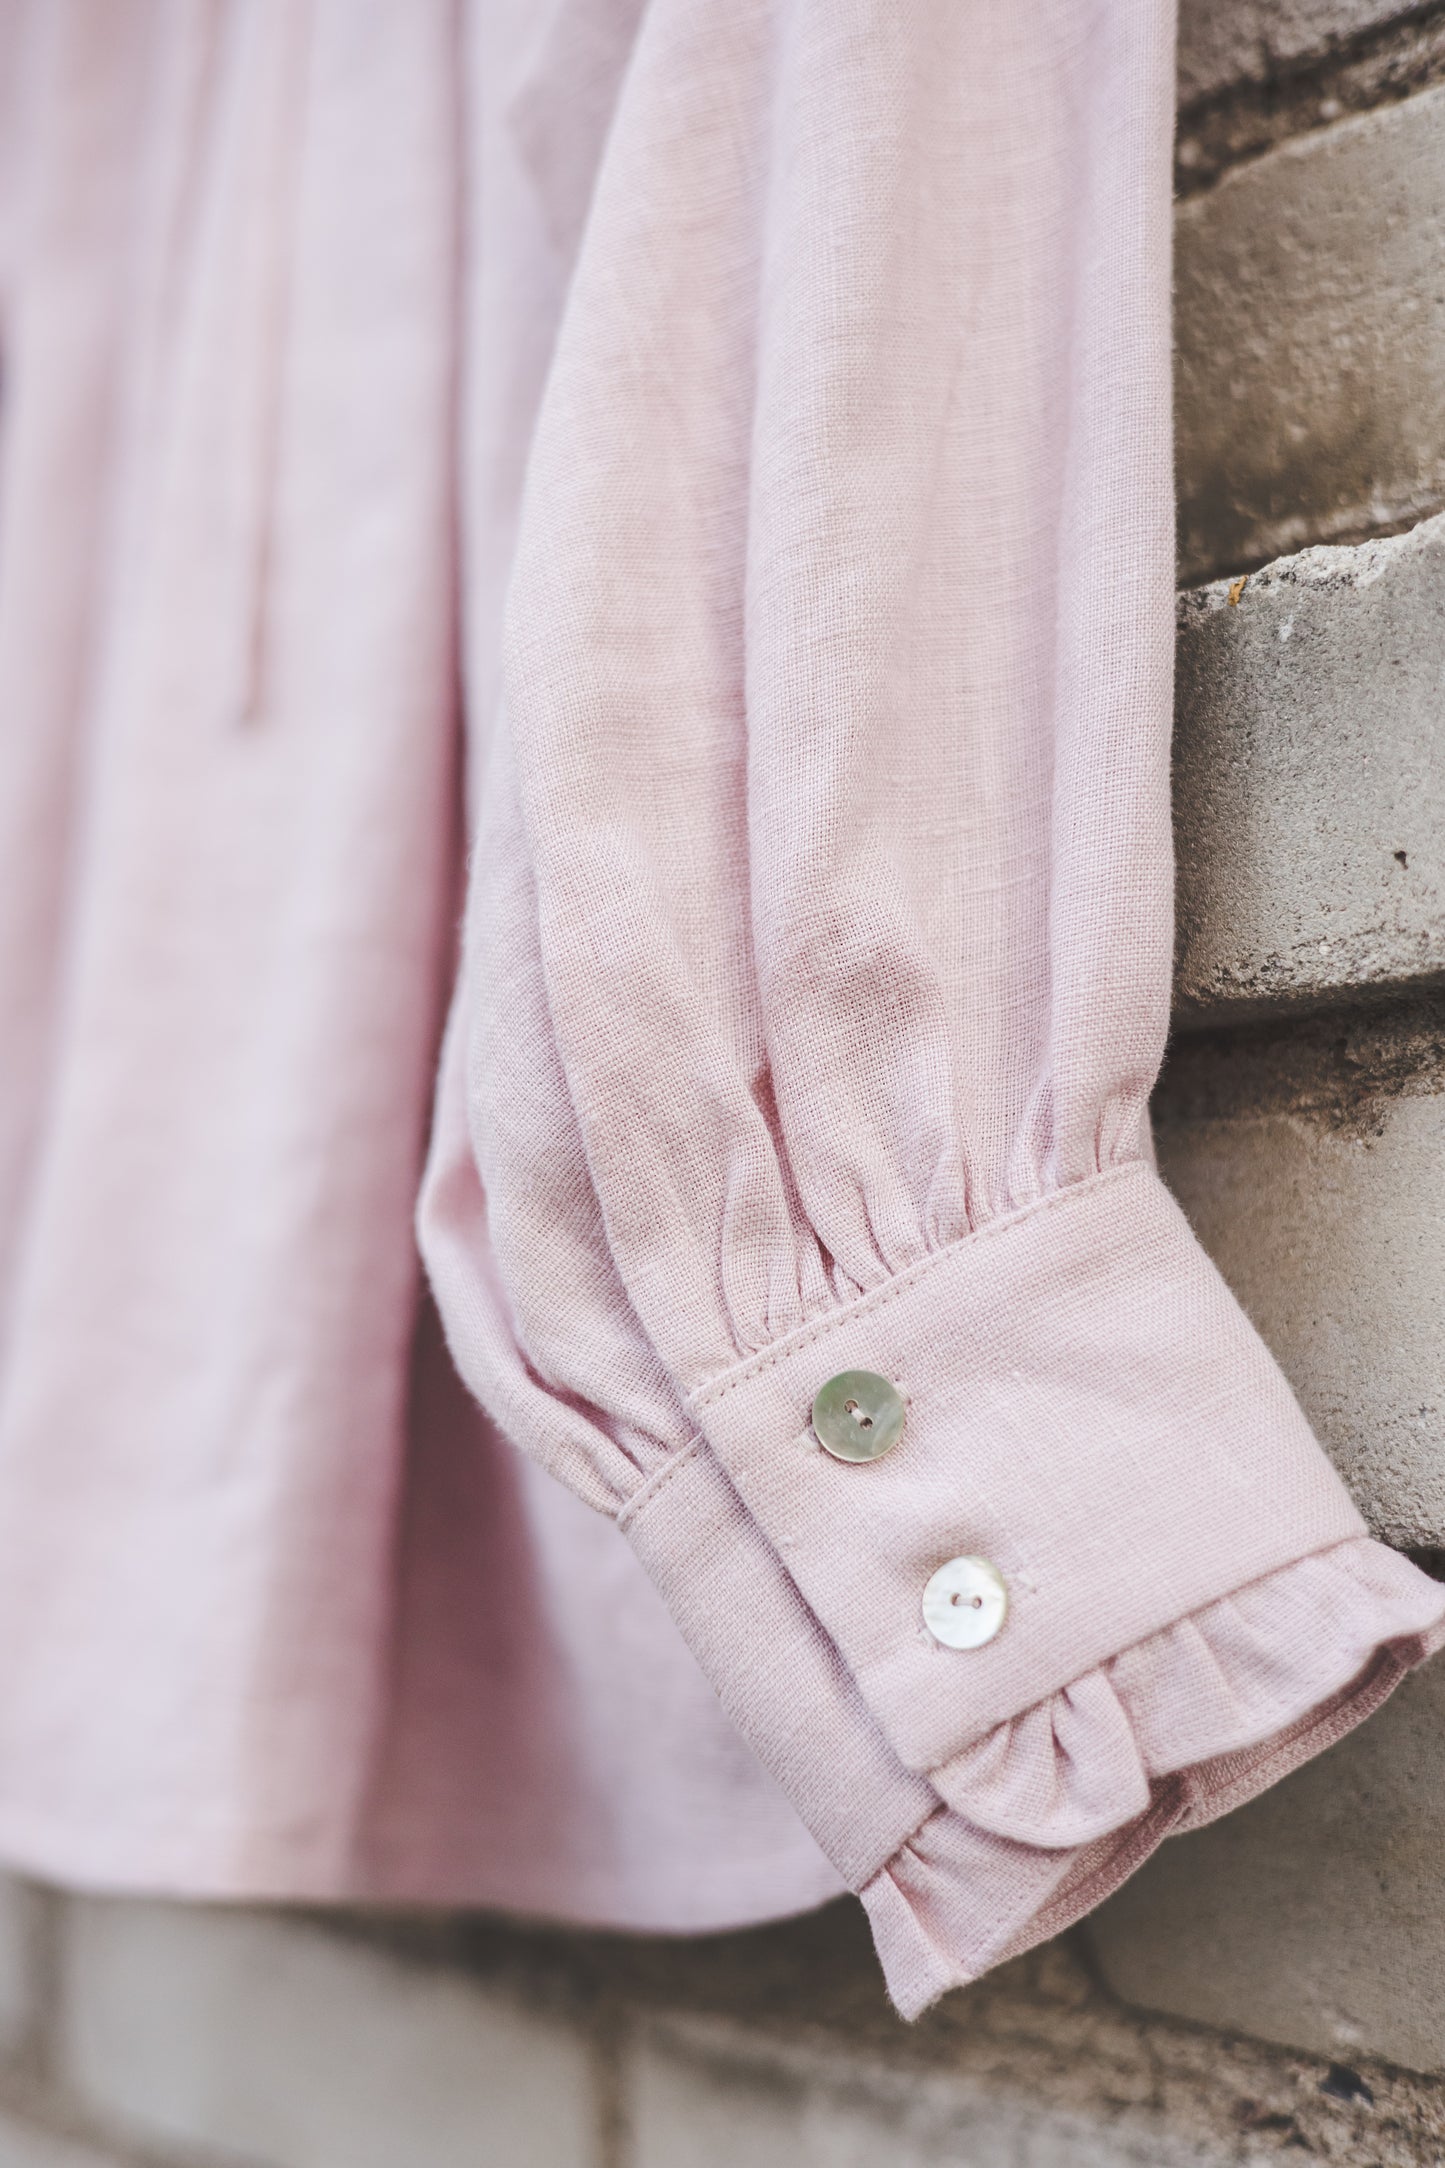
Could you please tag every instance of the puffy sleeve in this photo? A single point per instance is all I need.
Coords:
(792, 1195)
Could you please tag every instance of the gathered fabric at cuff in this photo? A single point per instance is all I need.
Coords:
(1193, 1605)
(1087, 1408)
(1087, 1759)
(1167, 1737)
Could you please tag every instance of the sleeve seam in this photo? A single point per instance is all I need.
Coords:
(707, 1396)
(657, 1481)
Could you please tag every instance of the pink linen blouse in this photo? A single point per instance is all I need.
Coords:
(745, 425)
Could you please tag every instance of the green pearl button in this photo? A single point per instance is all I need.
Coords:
(858, 1415)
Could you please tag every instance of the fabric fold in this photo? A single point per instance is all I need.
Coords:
(1037, 1820)
(750, 418)
(818, 961)
(962, 1894)
(1222, 1682)
(1087, 1407)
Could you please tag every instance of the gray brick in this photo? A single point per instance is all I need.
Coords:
(1322, 1204)
(705, 2095)
(25, 2145)
(18, 1933)
(1315, 1916)
(248, 2035)
(1225, 42)
(1310, 327)
(1310, 779)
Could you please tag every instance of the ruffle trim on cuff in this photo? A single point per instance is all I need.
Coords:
(1059, 1805)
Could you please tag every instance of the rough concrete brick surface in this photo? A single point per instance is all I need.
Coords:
(1310, 336)
(1224, 42)
(1312, 1166)
(249, 2035)
(704, 2095)
(1309, 781)
(1269, 94)
(1315, 1916)
(1035, 2066)
(736, 2047)
(18, 1917)
(22, 2145)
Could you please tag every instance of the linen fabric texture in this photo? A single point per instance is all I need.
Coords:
(817, 969)
(282, 1614)
(706, 462)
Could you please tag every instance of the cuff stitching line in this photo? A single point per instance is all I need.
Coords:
(707, 1396)
(658, 1480)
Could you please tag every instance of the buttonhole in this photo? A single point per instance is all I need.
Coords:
(864, 1422)
(975, 1603)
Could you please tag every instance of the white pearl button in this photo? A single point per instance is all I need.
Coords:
(858, 1415)
(965, 1603)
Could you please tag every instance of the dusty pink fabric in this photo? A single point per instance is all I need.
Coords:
(817, 968)
(280, 1613)
(712, 455)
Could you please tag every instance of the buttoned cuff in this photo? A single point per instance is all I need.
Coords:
(1086, 1406)
(1191, 1603)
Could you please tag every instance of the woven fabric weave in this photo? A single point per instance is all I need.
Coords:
(707, 463)
(818, 959)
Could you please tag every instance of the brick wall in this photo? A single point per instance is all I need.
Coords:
(152, 2036)
(1292, 1957)
(1301, 1117)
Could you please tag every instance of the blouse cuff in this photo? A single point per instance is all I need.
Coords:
(1191, 1603)
(1168, 1736)
(1086, 1407)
